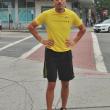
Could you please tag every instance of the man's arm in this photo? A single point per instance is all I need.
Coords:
(82, 30)
(33, 29)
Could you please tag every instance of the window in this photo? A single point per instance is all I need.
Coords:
(26, 3)
(6, 3)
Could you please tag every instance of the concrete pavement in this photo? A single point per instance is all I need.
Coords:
(23, 88)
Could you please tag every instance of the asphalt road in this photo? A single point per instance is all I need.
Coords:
(21, 45)
(104, 43)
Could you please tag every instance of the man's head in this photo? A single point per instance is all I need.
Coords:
(59, 4)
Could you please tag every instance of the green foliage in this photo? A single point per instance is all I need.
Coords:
(102, 4)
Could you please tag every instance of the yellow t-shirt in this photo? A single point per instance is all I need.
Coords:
(58, 26)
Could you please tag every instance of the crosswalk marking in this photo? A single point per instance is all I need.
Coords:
(25, 55)
(14, 43)
(100, 65)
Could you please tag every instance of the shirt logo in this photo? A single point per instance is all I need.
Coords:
(66, 17)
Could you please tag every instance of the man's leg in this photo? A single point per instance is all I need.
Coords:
(50, 94)
(64, 93)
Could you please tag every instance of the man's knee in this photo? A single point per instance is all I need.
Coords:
(65, 84)
(51, 85)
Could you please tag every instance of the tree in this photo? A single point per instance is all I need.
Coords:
(102, 5)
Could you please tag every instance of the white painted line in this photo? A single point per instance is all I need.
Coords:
(25, 55)
(100, 65)
(14, 43)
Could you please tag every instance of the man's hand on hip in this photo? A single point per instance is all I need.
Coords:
(70, 43)
(48, 42)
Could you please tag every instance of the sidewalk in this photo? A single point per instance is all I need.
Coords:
(23, 88)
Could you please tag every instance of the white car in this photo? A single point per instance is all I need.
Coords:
(103, 26)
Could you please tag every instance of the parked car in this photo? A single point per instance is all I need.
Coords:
(103, 26)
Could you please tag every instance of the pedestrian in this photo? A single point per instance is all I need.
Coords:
(0, 25)
(58, 56)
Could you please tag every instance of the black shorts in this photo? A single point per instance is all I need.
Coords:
(58, 62)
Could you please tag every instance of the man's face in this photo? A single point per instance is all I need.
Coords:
(59, 4)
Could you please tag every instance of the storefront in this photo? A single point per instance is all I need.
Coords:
(16, 14)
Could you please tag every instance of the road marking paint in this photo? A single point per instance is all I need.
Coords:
(25, 55)
(100, 65)
(14, 43)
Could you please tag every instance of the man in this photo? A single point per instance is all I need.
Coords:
(58, 56)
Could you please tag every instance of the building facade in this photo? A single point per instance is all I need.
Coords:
(18, 13)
